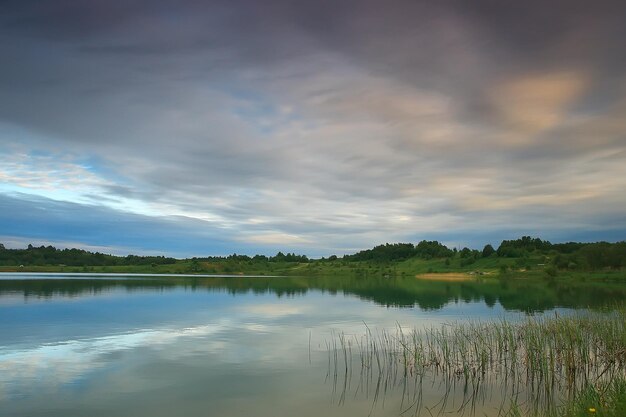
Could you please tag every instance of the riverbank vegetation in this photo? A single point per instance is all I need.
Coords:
(528, 256)
(556, 366)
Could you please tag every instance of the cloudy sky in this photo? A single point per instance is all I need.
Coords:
(212, 127)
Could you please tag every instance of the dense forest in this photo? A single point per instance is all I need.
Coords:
(402, 251)
(49, 255)
(571, 255)
(560, 256)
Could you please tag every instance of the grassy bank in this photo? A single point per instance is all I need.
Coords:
(487, 267)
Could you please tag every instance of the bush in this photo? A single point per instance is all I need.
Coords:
(550, 271)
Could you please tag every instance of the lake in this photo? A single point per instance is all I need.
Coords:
(243, 346)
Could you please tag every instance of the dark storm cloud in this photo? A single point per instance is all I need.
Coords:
(329, 123)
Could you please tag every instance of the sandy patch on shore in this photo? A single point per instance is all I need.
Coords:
(446, 276)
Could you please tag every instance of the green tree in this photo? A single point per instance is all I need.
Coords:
(488, 250)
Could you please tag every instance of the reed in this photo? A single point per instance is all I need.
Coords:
(562, 365)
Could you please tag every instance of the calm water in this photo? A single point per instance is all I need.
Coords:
(234, 346)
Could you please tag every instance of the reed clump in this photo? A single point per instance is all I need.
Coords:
(561, 365)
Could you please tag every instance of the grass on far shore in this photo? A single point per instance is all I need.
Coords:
(483, 267)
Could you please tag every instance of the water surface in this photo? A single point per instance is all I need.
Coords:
(233, 346)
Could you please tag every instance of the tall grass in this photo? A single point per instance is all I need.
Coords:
(550, 366)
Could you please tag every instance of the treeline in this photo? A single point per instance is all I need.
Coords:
(401, 251)
(593, 256)
(571, 255)
(526, 250)
(49, 255)
(279, 257)
(391, 252)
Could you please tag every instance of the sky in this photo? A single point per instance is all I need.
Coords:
(196, 128)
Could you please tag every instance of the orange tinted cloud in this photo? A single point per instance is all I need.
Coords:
(531, 104)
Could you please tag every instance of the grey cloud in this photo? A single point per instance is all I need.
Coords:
(330, 120)
(46, 220)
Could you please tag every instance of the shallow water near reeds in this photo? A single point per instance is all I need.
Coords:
(261, 346)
